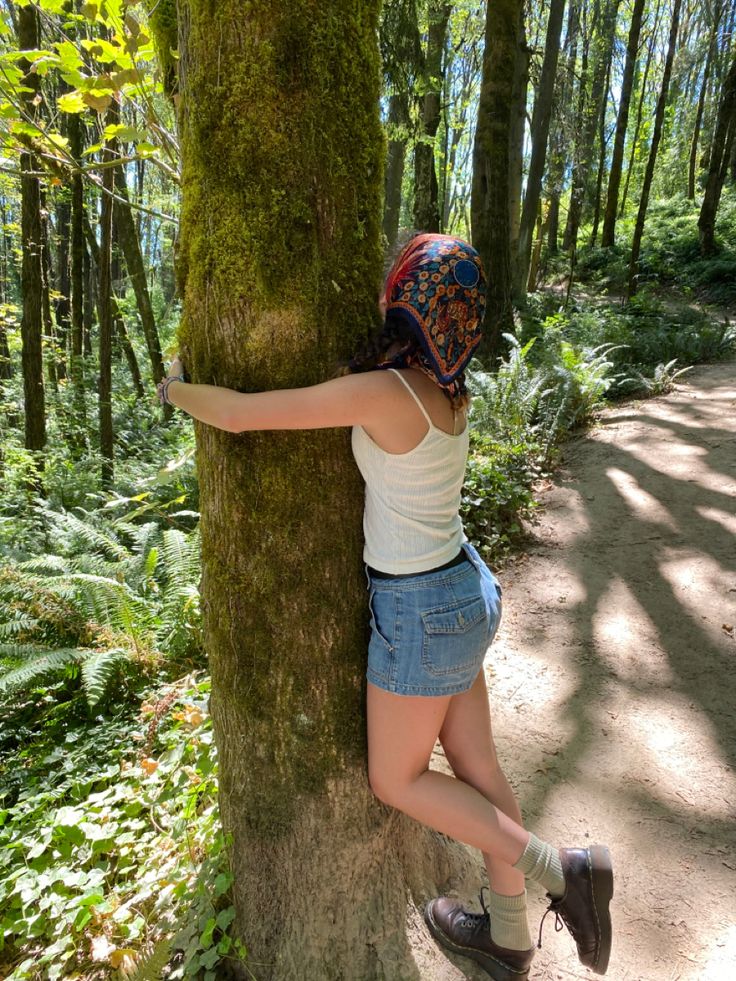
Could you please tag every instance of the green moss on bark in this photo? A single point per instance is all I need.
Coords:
(164, 31)
(279, 269)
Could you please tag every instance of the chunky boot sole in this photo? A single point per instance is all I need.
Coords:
(498, 969)
(601, 883)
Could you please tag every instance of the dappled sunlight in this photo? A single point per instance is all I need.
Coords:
(644, 505)
(720, 959)
(678, 461)
(679, 754)
(627, 640)
(696, 578)
(723, 518)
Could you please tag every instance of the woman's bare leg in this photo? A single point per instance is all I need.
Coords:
(402, 731)
(467, 740)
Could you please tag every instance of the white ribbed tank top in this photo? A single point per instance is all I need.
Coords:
(411, 520)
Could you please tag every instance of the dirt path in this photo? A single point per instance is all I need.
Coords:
(613, 681)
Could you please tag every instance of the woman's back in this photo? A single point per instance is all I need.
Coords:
(411, 519)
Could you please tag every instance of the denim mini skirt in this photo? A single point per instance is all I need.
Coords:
(430, 631)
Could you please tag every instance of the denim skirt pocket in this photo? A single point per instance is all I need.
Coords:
(455, 637)
(381, 606)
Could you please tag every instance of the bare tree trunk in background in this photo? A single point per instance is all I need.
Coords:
(541, 118)
(640, 109)
(32, 263)
(560, 141)
(118, 322)
(131, 246)
(602, 156)
(426, 189)
(712, 47)
(107, 448)
(283, 589)
(656, 137)
(517, 129)
(398, 122)
(603, 35)
(608, 238)
(720, 156)
(491, 155)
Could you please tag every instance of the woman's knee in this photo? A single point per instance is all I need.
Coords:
(389, 787)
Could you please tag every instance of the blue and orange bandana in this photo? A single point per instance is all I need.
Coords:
(437, 288)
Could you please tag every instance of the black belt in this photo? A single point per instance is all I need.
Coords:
(459, 558)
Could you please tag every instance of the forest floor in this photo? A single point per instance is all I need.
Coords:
(612, 683)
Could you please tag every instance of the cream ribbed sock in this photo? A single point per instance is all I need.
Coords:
(509, 925)
(541, 863)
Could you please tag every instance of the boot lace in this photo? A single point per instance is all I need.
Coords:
(554, 907)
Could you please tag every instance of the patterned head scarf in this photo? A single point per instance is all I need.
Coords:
(437, 288)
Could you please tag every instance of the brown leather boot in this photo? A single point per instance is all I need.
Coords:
(584, 906)
(470, 934)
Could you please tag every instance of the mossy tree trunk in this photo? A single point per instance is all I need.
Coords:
(32, 264)
(491, 164)
(279, 270)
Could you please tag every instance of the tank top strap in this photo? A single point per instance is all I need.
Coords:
(414, 396)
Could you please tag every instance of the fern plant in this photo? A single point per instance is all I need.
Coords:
(113, 594)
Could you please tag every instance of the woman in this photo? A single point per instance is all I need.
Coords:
(434, 605)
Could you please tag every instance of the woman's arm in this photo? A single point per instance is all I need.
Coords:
(348, 401)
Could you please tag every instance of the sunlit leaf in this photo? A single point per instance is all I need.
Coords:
(71, 102)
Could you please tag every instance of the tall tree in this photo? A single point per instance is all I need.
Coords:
(709, 58)
(274, 300)
(653, 150)
(539, 134)
(131, 246)
(401, 55)
(105, 300)
(32, 263)
(603, 34)
(426, 188)
(490, 198)
(608, 237)
(720, 156)
(560, 138)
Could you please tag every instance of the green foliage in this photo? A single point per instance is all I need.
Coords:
(110, 849)
(129, 591)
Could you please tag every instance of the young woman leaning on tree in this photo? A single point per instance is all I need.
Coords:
(434, 605)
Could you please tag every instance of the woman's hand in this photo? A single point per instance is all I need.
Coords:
(176, 371)
(176, 368)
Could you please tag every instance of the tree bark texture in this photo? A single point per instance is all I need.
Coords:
(541, 118)
(490, 195)
(32, 262)
(608, 237)
(279, 271)
(653, 149)
(426, 188)
(723, 141)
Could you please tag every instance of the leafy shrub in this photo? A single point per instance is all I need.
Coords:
(111, 856)
(124, 593)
